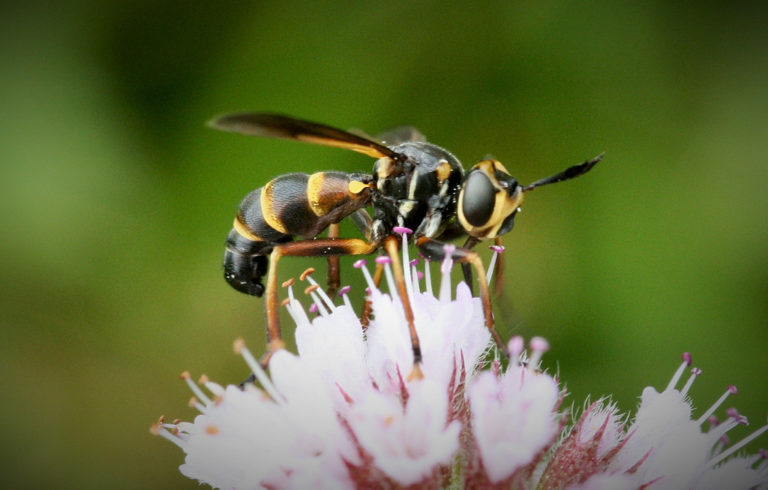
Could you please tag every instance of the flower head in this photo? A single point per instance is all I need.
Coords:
(344, 413)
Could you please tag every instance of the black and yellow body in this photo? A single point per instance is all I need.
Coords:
(414, 185)
(288, 206)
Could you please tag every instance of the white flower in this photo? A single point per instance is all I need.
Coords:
(663, 448)
(674, 451)
(344, 413)
(513, 415)
(407, 442)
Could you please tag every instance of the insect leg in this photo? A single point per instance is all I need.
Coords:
(466, 268)
(365, 318)
(303, 248)
(392, 246)
(498, 270)
(333, 263)
(434, 250)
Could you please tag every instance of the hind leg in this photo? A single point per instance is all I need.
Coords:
(304, 248)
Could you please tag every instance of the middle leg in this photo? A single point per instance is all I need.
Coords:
(434, 250)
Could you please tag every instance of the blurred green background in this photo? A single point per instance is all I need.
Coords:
(116, 199)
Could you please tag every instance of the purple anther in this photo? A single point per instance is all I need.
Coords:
(383, 259)
(359, 263)
(313, 308)
(713, 421)
(497, 248)
(449, 248)
(368, 291)
(687, 358)
(734, 414)
(763, 453)
(420, 275)
(344, 290)
(402, 230)
(539, 344)
(414, 262)
(732, 390)
(695, 371)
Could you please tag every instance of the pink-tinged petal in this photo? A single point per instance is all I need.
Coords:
(513, 419)
(407, 443)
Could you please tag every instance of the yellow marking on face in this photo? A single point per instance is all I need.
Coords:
(244, 231)
(268, 211)
(504, 205)
(499, 166)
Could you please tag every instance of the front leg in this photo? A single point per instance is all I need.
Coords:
(434, 250)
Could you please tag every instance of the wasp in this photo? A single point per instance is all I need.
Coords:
(415, 186)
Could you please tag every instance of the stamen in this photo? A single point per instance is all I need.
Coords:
(292, 306)
(214, 388)
(731, 390)
(755, 458)
(676, 377)
(539, 346)
(319, 303)
(497, 250)
(763, 458)
(288, 282)
(415, 275)
(735, 415)
(306, 273)
(720, 457)
(195, 403)
(515, 347)
(427, 276)
(360, 264)
(157, 430)
(343, 293)
(326, 300)
(734, 419)
(313, 308)
(296, 310)
(694, 372)
(258, 372)
(404, 232)
(720, 445)
(445, 271)
(384, 260)
(194, 388)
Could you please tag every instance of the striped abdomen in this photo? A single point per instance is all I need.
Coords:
(290, 205)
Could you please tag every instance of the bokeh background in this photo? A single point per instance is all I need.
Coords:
(116, 199)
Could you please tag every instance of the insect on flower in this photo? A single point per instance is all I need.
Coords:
(415, 188)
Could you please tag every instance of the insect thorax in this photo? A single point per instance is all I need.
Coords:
(419, 192)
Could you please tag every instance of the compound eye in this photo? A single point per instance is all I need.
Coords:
(479, 198)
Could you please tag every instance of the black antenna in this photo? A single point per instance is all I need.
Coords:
(568, 173)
